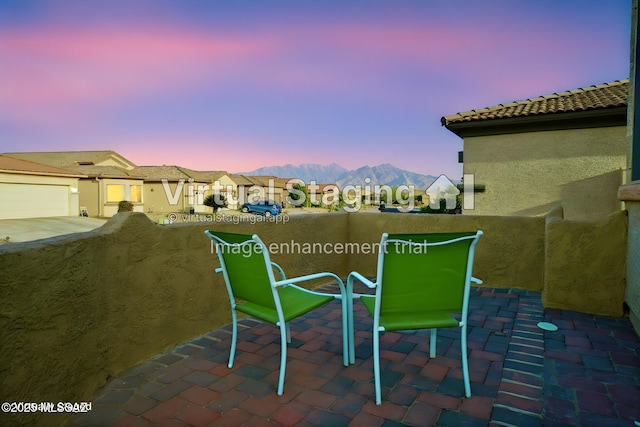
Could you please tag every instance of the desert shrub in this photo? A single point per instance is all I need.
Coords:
(125, 206)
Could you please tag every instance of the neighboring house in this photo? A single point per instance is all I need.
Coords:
(31, 190)
(218, 182)
(567, 149)
(177, 189)
(108, 178)
(329, 194)
(273, 186)
(252, 188)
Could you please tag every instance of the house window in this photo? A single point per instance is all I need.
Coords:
(135, 193)
(115, 193)
(119, 192)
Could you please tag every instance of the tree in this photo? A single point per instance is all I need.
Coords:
(215, 201)
(299, 196)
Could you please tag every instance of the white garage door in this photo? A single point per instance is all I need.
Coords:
(33, 200)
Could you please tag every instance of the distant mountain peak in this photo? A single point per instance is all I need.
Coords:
(383, 174)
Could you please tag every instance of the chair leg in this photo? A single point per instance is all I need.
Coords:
(465, 364)
(283, 357)
(234, 337)
(346, 339)
(351, 332)
(288, 333)
(376, 366)
(432, 343)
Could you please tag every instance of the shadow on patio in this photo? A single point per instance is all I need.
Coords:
(587, 373)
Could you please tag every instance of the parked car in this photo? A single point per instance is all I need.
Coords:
(263, 207)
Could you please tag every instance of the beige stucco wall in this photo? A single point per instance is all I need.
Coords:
(585, 265)
(89, 196)
(156, 199)
(528, 173)
(79, 308)
(632, 296)
(229, 189)
(509, 254)
(630, 193)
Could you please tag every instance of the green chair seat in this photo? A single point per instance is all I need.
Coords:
(295, 302)
(411, 319)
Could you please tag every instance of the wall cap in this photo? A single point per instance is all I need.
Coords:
(629, 192)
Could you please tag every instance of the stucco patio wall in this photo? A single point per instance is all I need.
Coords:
(509, 254)
(77, 309)
(630, 194)
(585, 264)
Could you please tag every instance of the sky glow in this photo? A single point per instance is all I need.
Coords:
(236, 85)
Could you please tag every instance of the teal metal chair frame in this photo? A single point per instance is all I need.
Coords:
(422, 279)
(253, 289)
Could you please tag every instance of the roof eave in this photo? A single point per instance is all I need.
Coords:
(53, 174)
(603, 117)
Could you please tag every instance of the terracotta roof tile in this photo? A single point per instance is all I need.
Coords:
(103, 171)
(607, 95)
(65, 158)
(8, 163)
(203, 176)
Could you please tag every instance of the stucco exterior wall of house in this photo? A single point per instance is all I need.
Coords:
(90, 197)
(229, 189)
(528, 173)
(174, 197)
(156, 200)
(79, 308)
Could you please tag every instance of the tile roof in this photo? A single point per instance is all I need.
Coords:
(240, 179)
(607, 95)
(103, 171)
(67, 158)
(264, 180)
(175, 173)
(8, 163)
(204, 176)
(157, 173)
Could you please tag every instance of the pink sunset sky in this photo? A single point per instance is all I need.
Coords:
(236, 85)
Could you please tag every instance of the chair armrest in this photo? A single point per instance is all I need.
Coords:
(309, 277)
(280, 270)
(475, 280)
(355, 275)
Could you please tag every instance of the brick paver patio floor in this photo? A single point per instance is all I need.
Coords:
(585, 374)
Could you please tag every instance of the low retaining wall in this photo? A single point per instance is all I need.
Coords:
(80, 308)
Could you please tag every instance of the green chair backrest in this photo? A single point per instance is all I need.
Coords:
(248, 267)
(427, 276)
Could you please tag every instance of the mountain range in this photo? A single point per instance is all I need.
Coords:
(384, 174)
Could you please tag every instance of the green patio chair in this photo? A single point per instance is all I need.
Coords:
(422, 282)
(253, 289)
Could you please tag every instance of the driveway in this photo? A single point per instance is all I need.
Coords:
(25, 230)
